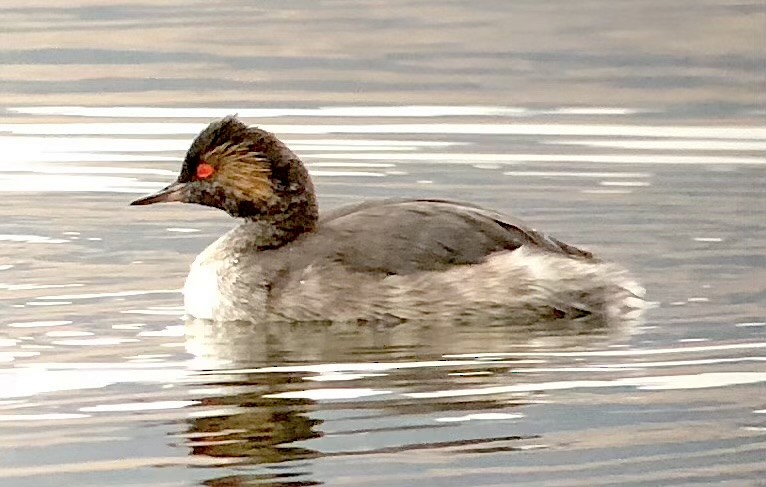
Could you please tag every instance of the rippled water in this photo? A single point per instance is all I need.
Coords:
(634, 130)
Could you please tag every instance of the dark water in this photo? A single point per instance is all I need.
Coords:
(634, 129)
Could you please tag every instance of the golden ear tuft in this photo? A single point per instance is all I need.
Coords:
(242, 169)
(230, 153)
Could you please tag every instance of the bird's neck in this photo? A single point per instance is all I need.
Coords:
(285, 219)
(292, 210)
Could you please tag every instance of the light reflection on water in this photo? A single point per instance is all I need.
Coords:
(484, 128)
(52, 163)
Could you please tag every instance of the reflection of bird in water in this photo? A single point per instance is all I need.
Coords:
(386, 261)
(269, 372)
(260, 430)
(246, 344)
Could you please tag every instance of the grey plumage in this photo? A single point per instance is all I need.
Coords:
(405, 260)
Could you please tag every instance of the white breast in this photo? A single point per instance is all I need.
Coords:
(201, 293)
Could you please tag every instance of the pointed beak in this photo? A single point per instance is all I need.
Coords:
(174, 192)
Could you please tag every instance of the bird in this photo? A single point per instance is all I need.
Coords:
(379, 261)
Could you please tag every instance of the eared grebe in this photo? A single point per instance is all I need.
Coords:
(390, 260)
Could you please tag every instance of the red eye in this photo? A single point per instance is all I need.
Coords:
(204, 170)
